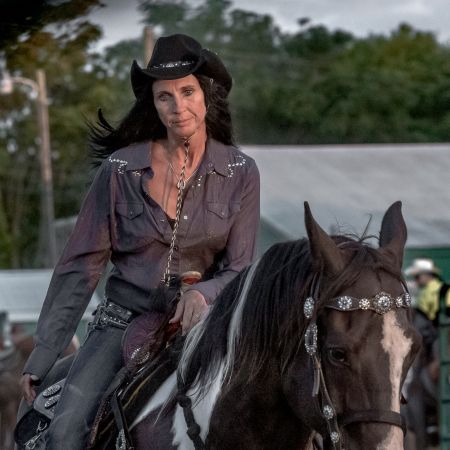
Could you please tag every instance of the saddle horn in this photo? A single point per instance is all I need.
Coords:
(323, 249)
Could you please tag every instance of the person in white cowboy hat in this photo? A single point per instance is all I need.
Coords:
(173, 195)
(427, 277)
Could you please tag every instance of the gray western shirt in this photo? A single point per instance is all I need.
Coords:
(121, 222)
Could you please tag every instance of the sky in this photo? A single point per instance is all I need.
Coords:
(120, 19)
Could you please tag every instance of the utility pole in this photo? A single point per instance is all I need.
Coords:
(149, 43)
(47, 238)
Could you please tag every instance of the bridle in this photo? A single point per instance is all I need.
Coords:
(381, 303)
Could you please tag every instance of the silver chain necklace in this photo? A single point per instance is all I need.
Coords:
(174, 173)
(181, 184)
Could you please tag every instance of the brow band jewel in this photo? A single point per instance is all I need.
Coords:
(380, 303)
(345, 303)
(308, 307)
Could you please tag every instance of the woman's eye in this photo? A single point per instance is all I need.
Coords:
(188, 92)
(162, 98)
(337, 355)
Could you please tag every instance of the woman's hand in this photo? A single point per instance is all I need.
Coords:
(27, 383)
(191, 309)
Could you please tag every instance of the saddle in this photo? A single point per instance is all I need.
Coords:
(130, 389)
(33, 421)
(128, 394)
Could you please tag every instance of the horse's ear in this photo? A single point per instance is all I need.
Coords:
(393, 233)
(323, 248)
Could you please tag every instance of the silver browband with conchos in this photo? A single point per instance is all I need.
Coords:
(380, 303)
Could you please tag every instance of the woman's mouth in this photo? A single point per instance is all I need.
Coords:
(180, 123)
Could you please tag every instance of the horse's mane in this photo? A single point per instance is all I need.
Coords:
(260, 313)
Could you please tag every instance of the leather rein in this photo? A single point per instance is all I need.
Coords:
(380, 304)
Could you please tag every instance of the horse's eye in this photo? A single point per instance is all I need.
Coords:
(337, 355)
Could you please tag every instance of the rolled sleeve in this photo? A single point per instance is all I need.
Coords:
(241, 244)
(75, 277)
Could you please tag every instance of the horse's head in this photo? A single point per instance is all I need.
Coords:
(360, 340)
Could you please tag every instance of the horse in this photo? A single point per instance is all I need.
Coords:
(309, 344)
(315, 337)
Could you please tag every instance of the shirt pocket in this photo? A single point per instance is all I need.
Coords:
(132, 227)
(219, 218)
(131, 210)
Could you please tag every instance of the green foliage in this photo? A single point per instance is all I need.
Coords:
(20, 18)
(316, 85)
(313, 86)
(74, 94)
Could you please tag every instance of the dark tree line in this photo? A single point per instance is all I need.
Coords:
(313, 86)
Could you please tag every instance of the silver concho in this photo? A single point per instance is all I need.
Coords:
(364, 304)
(308, 307)
(51, 401)
(382, 303)
(328, 412)
(345, 303)
(142, 358)
(51, 390)
(335, 437)
(407, 299)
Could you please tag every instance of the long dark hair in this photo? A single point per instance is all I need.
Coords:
(142, 122)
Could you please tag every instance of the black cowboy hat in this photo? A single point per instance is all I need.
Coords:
(177, 56)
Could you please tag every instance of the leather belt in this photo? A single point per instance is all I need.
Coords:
(110, 313)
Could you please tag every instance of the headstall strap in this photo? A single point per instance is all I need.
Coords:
(381, 303)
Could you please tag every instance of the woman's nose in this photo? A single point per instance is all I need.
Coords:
(177, 104)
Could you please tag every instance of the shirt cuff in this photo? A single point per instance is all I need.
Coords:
(205, 289)
(40, 361)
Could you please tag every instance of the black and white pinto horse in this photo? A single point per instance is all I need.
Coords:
(315, 337)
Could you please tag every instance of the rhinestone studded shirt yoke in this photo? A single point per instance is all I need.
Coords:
(119, 221)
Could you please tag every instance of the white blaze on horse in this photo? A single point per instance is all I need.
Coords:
(314, 338)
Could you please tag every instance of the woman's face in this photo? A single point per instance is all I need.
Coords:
(181, 105)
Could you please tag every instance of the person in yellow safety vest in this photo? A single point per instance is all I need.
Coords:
(430, 285)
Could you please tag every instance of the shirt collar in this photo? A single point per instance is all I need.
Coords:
(139, 157)
(216, 157)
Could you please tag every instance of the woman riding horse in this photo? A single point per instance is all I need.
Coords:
(315, 336)
(173, 195)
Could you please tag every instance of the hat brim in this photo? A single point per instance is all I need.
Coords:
(209, 64)
(414, 271)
